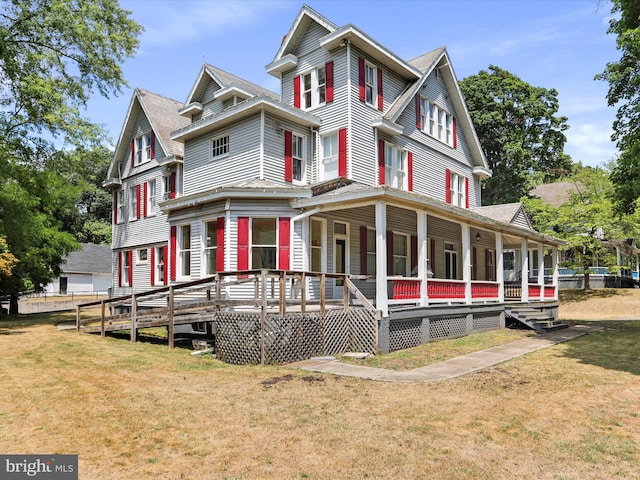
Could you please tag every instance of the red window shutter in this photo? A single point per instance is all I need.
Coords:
(284, 243)
(153, 266)
(362, 93)
(153, 145)
(380, 96)
(487, 267)
(414, 252)
(145, 194)
(363, 249)
(243, 243)
(138, 203)
(389, 252)
(448, 185)
(474, 263)
(328, 70)
(133, 153)
(418, 113)
(296, 91)
(455, 133)
(342, 153)
(410, 171)
(119, 269)
(165, 260)
(220, 245)
(432, 257)
(172, 185)
(466, 192)
(381, 164)
(131, 268)
(172, 253)
(115, 207)
(288, 156)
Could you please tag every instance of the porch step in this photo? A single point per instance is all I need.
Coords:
(535, 318)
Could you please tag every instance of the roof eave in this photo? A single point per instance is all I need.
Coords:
(282, 65)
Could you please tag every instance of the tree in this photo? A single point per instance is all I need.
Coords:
(54, 54)
(624, 90)
(519, 130)
(584, 221)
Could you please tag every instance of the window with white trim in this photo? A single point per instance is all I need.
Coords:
(151, 197)
(298, 158)
(450, 261)
(142, 256)
(436, 121)
(491, 265)
(126, 268)
(329, 167)
(159, 265)
(142, 148)
(120, 200)
(395, 166)
(264, 246)
(314, 88)
(210, 246)
(370, 84)
(318, 240)
(457, 185)
(400, 254)
(371, 252)
(184, 250)
(133, 202)
(219, 146)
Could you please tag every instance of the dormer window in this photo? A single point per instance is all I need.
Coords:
(437, 122)
(143, 149)
(314, 88)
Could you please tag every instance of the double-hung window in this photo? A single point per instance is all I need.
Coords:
(298, 158)
(370, 87)
(371, 251)
(151, 197)
(120, 200)
(264, 245)
(457, 190)
(436, 121)
(211, 247)
(184, 250)
(219, 146)
(142, 148)
(450, 261)
(395, 167)
(126, 269)
(318, 241)
(159, 266)
(400, 254)
(133, 202)
(314, 88)
(330, 156)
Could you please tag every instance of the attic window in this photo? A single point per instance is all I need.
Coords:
(437, 122)
(142, 146)
(220, 146)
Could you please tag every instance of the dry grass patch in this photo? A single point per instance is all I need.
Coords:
(143, 411)
(601, 304)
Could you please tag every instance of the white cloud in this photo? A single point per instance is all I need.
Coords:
(590, 143)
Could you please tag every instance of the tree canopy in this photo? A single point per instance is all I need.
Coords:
(519, 130)
(54, 55)
(624, 91)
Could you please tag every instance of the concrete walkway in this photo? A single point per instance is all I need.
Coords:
(450, 368)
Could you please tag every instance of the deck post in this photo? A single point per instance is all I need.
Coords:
(323, 293)
(263, 316)
(345, 293)
(541, 270)
(382, 297)
(103, 306)
(134, 308)
(218, 289)
(170, 319)
(283, 291)
(303, 292)
(524, 280)
(423, 258)
(466, 261)
(78, 318)
(500, 266)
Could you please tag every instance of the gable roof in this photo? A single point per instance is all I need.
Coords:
(162, 114)
(510, 213)
(227, 82)
(90, 259)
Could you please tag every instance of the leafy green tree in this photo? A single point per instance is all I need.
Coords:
(519, 130)
(54, 54)
(623, 77)
(584, 221)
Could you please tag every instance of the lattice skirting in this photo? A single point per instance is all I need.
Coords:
(407, 333)
(243, 338)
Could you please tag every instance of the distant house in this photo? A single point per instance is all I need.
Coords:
(625, 250)
(86, 271)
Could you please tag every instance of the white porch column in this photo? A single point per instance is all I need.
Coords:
(466, 261)
(500, 266)
(524, 255)
(422, 258)
(555, 271)
(541, 269)
(382, 300)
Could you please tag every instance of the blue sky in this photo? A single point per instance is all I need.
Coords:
(559, 44)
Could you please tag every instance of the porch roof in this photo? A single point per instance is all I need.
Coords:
(356, 195)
